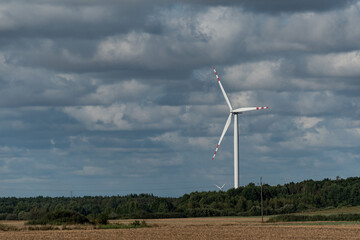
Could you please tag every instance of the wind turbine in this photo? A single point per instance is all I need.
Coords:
(235, 113)
(220, 188)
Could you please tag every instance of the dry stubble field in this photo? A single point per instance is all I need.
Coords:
(196, 228)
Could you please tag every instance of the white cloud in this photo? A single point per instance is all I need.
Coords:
(100, 118)
(256, 75)
(127, 48)
(335, 64)
(92, 171)
(23, 180)
(322, 138)
(170, 138)
(154, 116)
(15, 14)
(307, 31)
(128, 90)
(176, 141)
(154, 163)
(310, 103)
(205, 143)
(126, 117)
(224, 26)
(308, 122)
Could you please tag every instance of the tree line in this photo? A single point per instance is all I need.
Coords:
(244, 201)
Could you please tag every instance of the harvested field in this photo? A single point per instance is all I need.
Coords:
(197, 228)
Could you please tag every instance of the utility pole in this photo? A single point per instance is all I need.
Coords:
(261, 195)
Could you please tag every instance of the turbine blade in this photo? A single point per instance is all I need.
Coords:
(227, 124)
(222, 89)
(240, 110)
(217, 186)
(223, 185)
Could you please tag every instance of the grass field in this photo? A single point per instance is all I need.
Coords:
(329, 216)
(192, 228)
(333, 211)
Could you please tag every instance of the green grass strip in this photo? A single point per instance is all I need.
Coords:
(313, 218)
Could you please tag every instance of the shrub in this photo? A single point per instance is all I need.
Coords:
(42, 228)
(304, 218)
(102, 219)
(11, 217)
(135, 224)
(8, 228)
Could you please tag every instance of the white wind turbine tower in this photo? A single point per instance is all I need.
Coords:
(235, 113)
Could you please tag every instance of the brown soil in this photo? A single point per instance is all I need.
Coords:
(195, 229)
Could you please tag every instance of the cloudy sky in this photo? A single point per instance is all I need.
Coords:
(118, 97)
